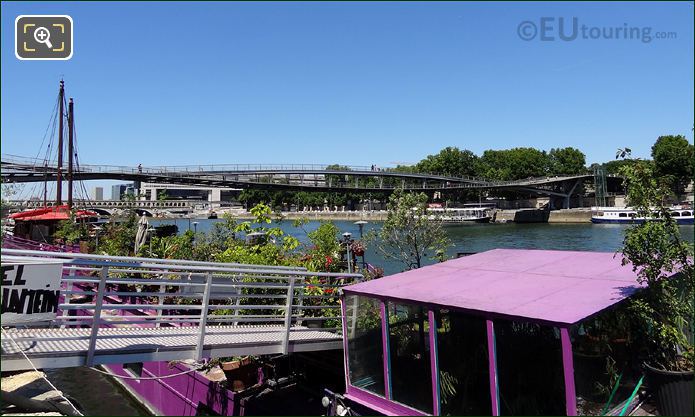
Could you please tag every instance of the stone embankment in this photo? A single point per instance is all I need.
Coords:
(328, 215)
(577, 215)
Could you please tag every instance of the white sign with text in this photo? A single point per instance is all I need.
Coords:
(30, 291)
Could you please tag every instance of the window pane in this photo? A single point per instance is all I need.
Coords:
(529, 369)
(463, 364)
(365, 351)
(411, 378)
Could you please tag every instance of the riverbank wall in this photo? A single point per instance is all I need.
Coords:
(578, 215)
(375, 215)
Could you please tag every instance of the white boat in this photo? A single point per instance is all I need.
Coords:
(478, 214)
(627, 215)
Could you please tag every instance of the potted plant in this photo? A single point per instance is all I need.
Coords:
(662, 314)
(241, 372)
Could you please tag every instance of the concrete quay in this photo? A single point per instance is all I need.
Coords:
(575, 215)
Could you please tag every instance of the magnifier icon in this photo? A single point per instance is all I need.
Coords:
(42, 35)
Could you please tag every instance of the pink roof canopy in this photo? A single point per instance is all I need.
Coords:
(560, 287)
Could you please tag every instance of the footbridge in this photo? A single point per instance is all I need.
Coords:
(127, 310)
(301, 177)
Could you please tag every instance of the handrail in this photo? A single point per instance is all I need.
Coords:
(249, 296)
(217, 171)
(131, 260)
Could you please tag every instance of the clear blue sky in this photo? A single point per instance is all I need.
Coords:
(352, 83)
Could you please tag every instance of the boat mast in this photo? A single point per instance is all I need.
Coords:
(71, 129)
(45, 184)
(59, 174)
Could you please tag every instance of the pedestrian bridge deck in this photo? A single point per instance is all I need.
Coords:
(58, 348)
(126, 310)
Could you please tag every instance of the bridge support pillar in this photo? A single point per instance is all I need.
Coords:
(215, 195)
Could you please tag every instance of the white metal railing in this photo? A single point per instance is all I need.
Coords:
(187, 293)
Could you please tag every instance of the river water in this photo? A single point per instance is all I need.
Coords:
(99, 396)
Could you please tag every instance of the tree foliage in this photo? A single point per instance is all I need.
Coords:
(450, 161)
(673, 157)
(566, 161)
(408, 235)
(663, 313)
(72, 230)
(513, 164)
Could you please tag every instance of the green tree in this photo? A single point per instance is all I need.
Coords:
(663, 313)
(450, 161)
(118, 238)
(513, 164)
(408, 234)
(72, 230)
(566, 161)
(613, 167)
(673, 158)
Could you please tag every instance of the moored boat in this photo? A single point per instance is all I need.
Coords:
(627, 215)
(468, 213)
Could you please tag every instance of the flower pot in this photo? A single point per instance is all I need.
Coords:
(230, 366)
(672, 390)
(241, 377)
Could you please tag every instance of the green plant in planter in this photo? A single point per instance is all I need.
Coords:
(662, 314)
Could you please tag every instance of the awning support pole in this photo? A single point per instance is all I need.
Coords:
(568, 367)
(492, 364)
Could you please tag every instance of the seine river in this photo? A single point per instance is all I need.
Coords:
(475, 237)
(101, 397)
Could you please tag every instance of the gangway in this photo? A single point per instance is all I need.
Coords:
(143, 309)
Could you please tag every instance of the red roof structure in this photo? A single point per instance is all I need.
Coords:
(50, 213)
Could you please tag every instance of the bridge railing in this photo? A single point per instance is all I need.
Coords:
(101, 291)
(217, 172)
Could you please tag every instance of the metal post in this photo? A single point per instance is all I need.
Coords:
(492, 367)
(96, 318)
(346, 337)
(288, 315)
(568, 369)
(160, 312)
(69, 286)
(203, 318)
(237, 303)
(434, 363)
(386, 351)
(349, 257)
(300, 310)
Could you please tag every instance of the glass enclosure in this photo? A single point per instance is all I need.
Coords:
(409, 353)
(529, 369)
(365, 352)
(463, 364)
